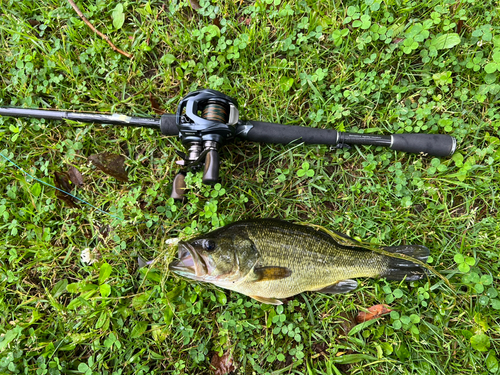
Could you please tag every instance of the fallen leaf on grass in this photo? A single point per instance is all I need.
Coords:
(34, 23)
(373, 313)
(61, 181)
(347, 322)
(247, 21)
(194, 4)
(110, 164)
(154, 104)
(222, 365)
(216, 22)
(75, 176)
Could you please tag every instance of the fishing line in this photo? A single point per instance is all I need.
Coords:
(65, 192)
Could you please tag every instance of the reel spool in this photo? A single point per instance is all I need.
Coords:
(215, 111)
(205, 119)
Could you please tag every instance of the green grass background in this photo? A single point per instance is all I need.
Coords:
(365, 66)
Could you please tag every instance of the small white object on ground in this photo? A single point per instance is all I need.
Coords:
(87, 256)
(172, 241)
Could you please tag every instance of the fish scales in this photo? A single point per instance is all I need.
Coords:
(315, 259)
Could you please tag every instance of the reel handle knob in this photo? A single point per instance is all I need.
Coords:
(179, 186)
(211, 172)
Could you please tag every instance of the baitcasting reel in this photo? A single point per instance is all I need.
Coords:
(205, 119)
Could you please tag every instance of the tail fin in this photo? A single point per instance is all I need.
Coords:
(399, 269)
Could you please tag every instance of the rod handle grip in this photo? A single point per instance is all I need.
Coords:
(267, 132)
(431, 144)
(168, 125)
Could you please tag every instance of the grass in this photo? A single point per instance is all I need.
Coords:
(369, 66)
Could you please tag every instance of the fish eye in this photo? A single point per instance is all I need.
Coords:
(209, 245)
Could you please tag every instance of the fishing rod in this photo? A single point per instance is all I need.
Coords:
(206, 119)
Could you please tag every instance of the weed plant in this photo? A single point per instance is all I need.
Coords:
(367, 66)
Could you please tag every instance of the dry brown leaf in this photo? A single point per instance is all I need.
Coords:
(34, 23)
(110, 164)
(347, 322)
(246, 20)
(373, 313)
(195, 4)
(155, 105)
(75, 176)
(222, 365)
(61, 181)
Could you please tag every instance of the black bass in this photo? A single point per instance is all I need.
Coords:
(269, 259)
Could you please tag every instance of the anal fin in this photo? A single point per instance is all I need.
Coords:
(342, 286)
(268, 301)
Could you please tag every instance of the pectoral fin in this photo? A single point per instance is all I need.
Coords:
(271, 273)
(342, 286)
(269, 301)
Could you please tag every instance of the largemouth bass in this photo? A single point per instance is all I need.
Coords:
(270, 259)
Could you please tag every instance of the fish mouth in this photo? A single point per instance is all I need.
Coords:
(191, 264)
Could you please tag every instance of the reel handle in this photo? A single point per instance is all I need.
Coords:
(210, 175)
(211, 171)
(179, 186)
